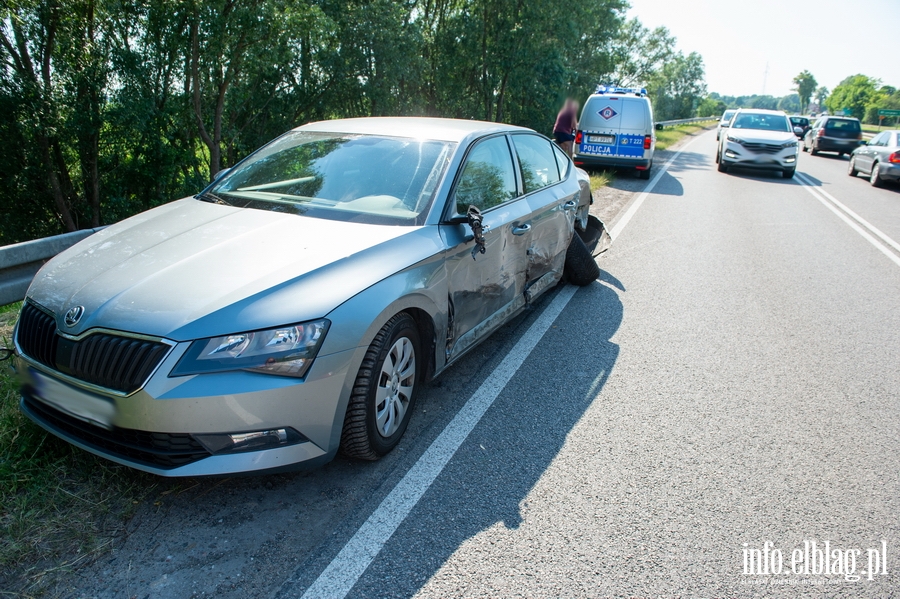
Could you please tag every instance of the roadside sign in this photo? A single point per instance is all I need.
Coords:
(889, 113)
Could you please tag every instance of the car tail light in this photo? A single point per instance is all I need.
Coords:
(578, 137)
(894, 157)
(859, 136)
(647, 141)
(821, 133)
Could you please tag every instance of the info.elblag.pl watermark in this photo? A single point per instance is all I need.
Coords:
(813, 563)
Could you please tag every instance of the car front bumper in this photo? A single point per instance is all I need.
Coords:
(165, 427)
(738, 155)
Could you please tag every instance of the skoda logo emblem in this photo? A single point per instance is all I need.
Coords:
(74, 315)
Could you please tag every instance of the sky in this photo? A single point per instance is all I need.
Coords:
(832, 39)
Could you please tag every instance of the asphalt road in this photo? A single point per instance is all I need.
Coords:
(729, 384)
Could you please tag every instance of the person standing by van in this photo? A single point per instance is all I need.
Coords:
(566, 124)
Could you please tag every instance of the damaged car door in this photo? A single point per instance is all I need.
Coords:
(552, 210)
(485, 277)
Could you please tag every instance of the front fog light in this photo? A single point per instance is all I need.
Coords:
(790, 159)
(730, 154)
(255, 441)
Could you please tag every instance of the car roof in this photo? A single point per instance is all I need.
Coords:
(416, 127)
(840, 118)
(762, 111)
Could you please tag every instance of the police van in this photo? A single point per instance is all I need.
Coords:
(616, 130)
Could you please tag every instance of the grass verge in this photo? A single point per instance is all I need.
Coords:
(668, 136)
(59, 506)
(601, 178)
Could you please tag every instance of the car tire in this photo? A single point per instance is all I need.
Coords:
(788, 173)
(645, 174)
(851, 170)
(580, 267)
(370, 432)
(812, 150)
(723, 168)
(875, 176)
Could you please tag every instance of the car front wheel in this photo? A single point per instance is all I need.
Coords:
(788, 173)
(723, 168)
(851, 170)
(384, 392)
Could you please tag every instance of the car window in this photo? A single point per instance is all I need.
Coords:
(842, 125)
(879, 140)
(488, 178)
(562, 161)
(539, 168)
(371, 179)
(765, 122)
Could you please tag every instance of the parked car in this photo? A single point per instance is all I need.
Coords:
(723, 122)
(759, 139)
(616, 130)
(296, 305)
(839, 134)
(879, 159)
(800, 125)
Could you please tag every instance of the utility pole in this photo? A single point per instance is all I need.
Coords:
(765, 78)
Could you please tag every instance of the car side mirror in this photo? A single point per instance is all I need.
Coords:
(863, 142)
(474, 219)
(798, 130)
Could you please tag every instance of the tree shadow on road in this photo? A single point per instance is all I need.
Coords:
(491, 476)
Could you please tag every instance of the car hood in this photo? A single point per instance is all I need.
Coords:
(193, 269)
(761, 136)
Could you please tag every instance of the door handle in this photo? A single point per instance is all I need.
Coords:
(521, 229)
(570, 205)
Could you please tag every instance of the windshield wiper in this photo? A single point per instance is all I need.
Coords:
(212, 199)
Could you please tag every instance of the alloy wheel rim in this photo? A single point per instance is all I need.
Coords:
(874, 175)
(396, 382)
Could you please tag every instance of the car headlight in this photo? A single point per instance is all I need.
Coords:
(736, 140)
(287, 351)
(789, 144)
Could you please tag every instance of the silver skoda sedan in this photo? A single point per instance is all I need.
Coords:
(294, 307)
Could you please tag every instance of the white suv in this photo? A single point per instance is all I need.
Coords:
(759, 139)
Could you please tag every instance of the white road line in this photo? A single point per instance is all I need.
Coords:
(346, 568)
(339, 577)
(620, 225)
(865, 235)
(806, 181)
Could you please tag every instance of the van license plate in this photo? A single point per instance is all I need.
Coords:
(601, 139)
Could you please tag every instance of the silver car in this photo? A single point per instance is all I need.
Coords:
(759, 139)
(878, 158)
(294, 307)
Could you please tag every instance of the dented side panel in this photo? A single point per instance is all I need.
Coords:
(483, 285)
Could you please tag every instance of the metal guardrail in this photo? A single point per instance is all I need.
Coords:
(699, 119)
(21, 261)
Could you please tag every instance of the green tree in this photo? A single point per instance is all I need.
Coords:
(853, 95)
(678, 87)
(711, 107)
(821, 95)
(804, 84)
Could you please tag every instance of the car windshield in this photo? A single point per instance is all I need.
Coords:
(361, 178)
(766, 122)
(842, 124)
(727, 116)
